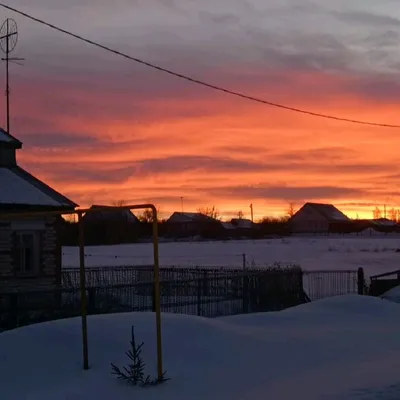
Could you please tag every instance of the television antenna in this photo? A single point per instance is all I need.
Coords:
(8, 42)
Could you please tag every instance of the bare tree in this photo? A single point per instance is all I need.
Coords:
(147, 216)
(291, 210)
(284, 218)
(118, 203)
(240, 214)
(211, 212)
(376, 213)
(394, 214)
(269, 220)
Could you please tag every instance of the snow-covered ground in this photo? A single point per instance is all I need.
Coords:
(342, 348)
(374, 254)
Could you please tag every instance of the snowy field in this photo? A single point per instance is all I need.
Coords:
(342, 348)
(374, 254)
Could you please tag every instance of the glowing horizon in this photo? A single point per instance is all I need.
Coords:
(100, 129)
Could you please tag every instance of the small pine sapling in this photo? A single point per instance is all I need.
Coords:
(134, 373)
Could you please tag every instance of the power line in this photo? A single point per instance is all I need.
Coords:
(141, 257)
(194, 80)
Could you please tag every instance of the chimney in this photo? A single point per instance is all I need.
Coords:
(8, 147)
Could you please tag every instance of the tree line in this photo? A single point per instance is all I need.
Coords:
(146, 216)
(393, 214)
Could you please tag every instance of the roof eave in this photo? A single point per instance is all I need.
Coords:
(64, 202)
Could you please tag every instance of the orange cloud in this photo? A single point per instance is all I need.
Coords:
(98, 142)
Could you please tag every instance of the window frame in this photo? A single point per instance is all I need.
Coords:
(36, 252)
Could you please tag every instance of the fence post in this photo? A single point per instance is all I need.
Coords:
(14, 313)
(302, 293)
(199, 290)
(245, 293)
(206, 279)
(360, 281)
(91, 300)
(153, 298)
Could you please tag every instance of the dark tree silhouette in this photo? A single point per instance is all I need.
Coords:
(211, 212)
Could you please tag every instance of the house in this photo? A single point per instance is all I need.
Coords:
(111, 225)
(375, 227)
(239, 228)
(110, 214)
(242, 223)
(30, 248)
(188, 224)
(384, 225)
(319, 218)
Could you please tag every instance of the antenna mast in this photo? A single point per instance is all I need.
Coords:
(8, 42)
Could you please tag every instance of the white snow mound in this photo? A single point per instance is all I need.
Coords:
(341, 348)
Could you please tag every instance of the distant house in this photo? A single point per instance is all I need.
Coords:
(30, 249)
(319, 218)
(110, 214)
(187, 224)
(384, 224)
(110, 225)
(228, 226)
(240, 228)
(375, 227)
(243, 223)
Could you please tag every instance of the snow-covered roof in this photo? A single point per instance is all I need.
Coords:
(242, 223)
(18, 187)
(383, 222)
(188, 217)
(111, 214)
(329, 211)
(228, 225)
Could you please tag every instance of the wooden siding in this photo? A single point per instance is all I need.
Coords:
(5, 251)
(49, 273)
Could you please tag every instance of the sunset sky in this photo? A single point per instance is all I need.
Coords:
(100, 128)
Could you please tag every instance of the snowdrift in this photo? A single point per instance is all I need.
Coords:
(340, 348)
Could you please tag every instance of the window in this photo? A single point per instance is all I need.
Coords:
(27, 252)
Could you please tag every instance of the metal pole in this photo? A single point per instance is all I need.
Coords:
(157, 295)
(83, 292)
(7, 80)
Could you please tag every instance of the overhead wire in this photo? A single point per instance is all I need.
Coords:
(192, 79)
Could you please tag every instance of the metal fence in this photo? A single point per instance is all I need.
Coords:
(120, 275)
(316, 284)
(379, 284)
(321, 284)
(197, 291)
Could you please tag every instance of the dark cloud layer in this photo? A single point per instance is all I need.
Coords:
(367, 19)
(287, 192)
(219, 38)
(191, 165)
(106, 112)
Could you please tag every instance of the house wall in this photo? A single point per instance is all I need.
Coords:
(309, 220)
(184, 228)
(177, 218)
(48, 274)
(207, 228)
